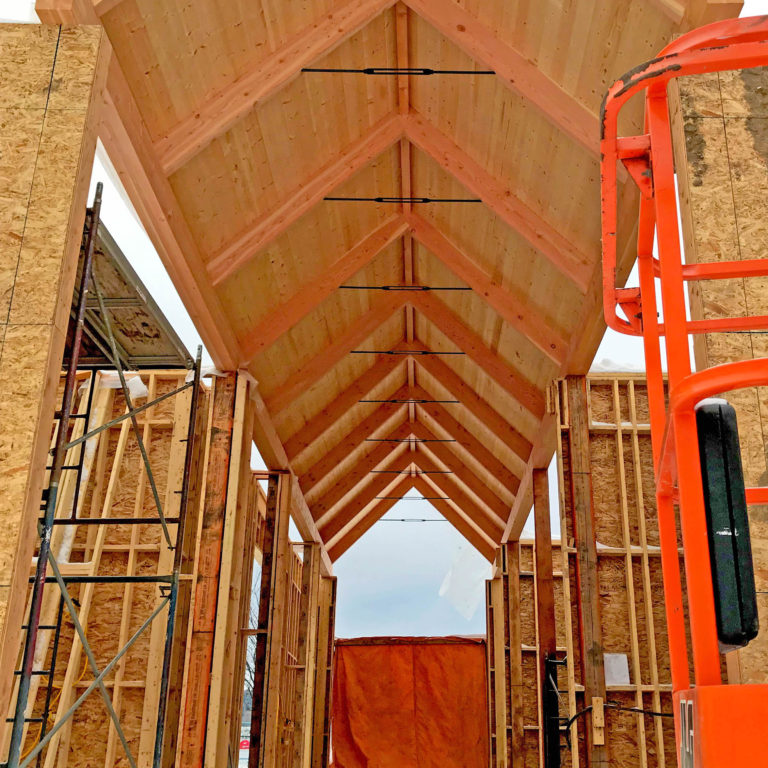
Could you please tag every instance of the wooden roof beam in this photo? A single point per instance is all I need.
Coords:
(492, 525)
(378, 485)
(127, 142)
(503, 201)
(318, 288)
(511, 304)
(259, 234)
(272, 452)
(485, 413)
(229, 104)
(452, 326)
(456, 431)
(350, 442)
(322, 421)
(443, 453)
(380, 310)
(360, 473)
(516, 71)
(464, 525)
(366, 519)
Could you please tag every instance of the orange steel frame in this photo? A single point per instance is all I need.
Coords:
(715, 724)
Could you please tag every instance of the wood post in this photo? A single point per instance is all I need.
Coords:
(513, 661)
(321, 731)
(545, 608)
(586, 556)
(209, 563)
(272, 610)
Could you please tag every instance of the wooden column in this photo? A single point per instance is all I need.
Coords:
(582, 513)
(545, 601)
(720, 125)
(52, 83)
(496, 654)
(321, 731)
(272, 609)
(513, 661)
(206, 588)
(232, 590)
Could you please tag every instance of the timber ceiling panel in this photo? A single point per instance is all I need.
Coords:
(237, 149)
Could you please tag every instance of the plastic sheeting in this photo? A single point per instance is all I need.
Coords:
(410, 703)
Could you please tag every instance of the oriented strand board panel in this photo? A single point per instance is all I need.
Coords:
(721, 148)
(50, 81)
(617, 457)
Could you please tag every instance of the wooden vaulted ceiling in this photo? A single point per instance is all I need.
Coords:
(233, 149)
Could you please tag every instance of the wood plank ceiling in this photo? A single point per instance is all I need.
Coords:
(251, 145)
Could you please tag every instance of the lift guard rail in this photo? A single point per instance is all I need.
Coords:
(716, 725)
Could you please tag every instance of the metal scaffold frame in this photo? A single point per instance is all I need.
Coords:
(46, 559)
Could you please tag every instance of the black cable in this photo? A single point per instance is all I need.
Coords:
(410, 401)
(413, 352)
(404, 288)
(399, 71)
(609, 705)
(412, 200)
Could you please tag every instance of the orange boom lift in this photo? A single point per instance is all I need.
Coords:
(695, 443)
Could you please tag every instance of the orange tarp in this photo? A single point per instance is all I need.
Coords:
(410, 703)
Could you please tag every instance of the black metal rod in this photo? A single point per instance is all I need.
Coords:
(411, 200)
(404, 288)
(414, 352)
(416, 71)
(81, 457)
(415, 474)
(178, 556)
(416, 498)
(39, 579)
(408, 440)
(414, 400)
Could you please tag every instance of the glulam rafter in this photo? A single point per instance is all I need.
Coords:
(380, 310)
(362, 519)
(447, 457)
(359, 474)
(318, 288)
(350, 442)
(449, 485)
(378, 485)
(468, 442)
(454, 328)
(459, 520)
(358, 390)
(502, 200)
(485, 413)
(516, 71)
(263, 80)
(260, 233)
(509, 303)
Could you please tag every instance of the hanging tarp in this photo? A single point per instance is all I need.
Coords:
(410, 703)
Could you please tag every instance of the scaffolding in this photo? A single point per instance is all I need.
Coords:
(72, 434)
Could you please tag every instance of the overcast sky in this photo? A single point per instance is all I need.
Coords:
(389, 582)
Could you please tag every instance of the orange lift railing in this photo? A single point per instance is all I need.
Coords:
(716, 725)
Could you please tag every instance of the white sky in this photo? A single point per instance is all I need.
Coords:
(389, 581)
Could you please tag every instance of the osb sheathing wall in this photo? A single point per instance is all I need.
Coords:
(720, 129)
(615, 461)
(50, 80)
